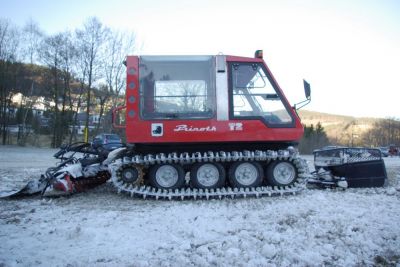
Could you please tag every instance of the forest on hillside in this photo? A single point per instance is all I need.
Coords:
(68, 72)
(323, 129)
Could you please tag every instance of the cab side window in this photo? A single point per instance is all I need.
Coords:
(177, 87)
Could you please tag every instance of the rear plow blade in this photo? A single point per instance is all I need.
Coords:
(359, 167)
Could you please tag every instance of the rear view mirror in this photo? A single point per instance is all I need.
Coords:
(307, 89)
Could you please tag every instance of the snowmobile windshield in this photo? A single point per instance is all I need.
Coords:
(254, 96)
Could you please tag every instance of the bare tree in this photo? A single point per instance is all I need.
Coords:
(103, 94)
(51, 54)
(118, 46)
(90, 45)
(32, 37)
(81, 74)
(68, 55)
(9, 40)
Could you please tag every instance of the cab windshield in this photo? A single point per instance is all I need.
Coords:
(254, 96)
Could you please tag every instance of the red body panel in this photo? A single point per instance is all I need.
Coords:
(194, 131)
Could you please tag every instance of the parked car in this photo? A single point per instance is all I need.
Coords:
(107, 141)
(384, 151)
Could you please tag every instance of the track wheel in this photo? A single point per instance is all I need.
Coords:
(167, 176)
(207, 175)
(245, 174)
(131, 175)
(281, 173)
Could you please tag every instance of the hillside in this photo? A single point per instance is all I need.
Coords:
(345, 130)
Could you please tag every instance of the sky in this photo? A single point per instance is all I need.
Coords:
(348, 50)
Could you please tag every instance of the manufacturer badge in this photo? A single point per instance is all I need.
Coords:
(157, 129)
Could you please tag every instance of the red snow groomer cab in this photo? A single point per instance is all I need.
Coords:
(223, 119)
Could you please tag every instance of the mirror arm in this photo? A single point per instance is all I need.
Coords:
(302, 103)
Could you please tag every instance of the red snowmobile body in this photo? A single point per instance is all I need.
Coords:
(193, 103)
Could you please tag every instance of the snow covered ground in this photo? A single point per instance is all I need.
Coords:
(357, 227)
